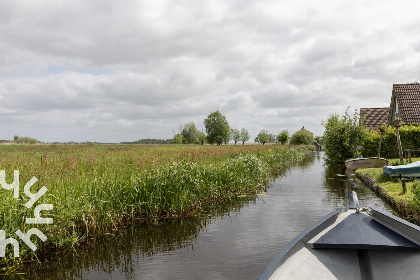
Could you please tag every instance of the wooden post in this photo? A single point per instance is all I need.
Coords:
(381, 130)
(403, 185)
(397, 129)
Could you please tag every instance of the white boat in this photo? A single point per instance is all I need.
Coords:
(369, 162)
(358, 243)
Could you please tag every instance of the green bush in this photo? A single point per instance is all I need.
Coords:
(283, 137)
(25, 140)
(302, 137)
(370, 144)
(415, 190)
(410, 139)
(342, 136)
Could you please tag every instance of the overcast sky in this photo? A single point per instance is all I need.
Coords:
(113, 71)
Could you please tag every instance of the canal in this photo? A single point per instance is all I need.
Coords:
(235, 241)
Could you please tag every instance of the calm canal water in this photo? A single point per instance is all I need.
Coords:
(236, 241)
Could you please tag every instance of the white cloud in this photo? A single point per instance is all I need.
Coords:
(116, 71)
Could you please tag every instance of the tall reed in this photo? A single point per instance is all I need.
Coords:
(97, 188)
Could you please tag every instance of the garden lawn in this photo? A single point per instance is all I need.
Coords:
(392, 186)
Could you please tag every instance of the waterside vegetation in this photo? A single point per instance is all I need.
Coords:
(345, 137)
(342, 136)
(410, 139)
(405, 202)
(97, 188)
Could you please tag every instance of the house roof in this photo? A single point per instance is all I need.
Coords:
(408, 99)
(374, 117)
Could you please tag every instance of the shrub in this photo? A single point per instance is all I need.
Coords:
(302, 137)
(342, 136)
(410, 139)
(415, 190)
(370, 144)
(283, 137)
(24, 140)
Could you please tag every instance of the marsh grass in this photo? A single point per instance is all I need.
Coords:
(97, 188)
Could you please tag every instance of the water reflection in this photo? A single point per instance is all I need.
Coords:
(235, 241)
(117, 254)
(338, 181)
(306, 162)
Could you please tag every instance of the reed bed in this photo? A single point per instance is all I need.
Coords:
(97, 188)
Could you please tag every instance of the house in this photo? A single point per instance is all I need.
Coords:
(405, 103)
(374, 117)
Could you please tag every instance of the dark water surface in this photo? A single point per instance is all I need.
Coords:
(236, 241)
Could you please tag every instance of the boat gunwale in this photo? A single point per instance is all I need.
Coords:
(401, 226)
(356, 163)
(298, 242)
(364, 159)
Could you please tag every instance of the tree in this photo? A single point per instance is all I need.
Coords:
(283, 137)
(217, 128)
(244, 136)
(236, 135)
(302, 137)
(263, 137)
(319, 140)
(24, 140)
(201, 137)
(189, 133)
(178, 139)
(272, 138)
(341, 137)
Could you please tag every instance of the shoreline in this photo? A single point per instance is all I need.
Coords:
(402, 207)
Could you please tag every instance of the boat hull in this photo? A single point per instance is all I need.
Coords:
(371, 162)
(407, 171)
(351, 245)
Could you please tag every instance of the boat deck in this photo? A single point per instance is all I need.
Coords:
(350, 245)
(345, 264)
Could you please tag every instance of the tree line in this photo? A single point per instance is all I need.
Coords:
(346, 137)
(218, 131)
(151, 141)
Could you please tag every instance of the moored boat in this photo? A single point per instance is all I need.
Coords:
(369, 162)
(357, 243)
(410, 170)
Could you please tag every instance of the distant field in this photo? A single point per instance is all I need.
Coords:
(95, 188)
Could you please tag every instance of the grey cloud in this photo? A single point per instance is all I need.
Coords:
(142, 67)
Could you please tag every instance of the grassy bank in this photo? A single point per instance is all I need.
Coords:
(407, 204)
(96, 188)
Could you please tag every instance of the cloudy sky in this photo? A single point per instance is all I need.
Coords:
(113, 71)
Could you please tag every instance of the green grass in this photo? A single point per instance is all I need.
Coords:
(97, 188)
(392, 186)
